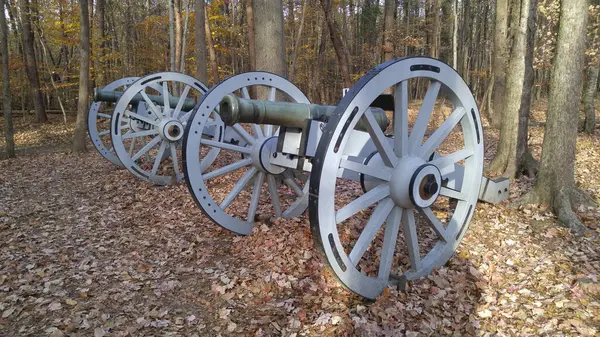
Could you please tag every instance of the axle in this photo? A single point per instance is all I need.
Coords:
(239, 110)
(113, 96)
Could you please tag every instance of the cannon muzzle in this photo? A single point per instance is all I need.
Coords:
(234, 109)
(113, 96)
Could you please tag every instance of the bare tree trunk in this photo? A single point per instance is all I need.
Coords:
(298, 39)
(84, 79)
(172, 47)
(211, 49)
(32, 68)
(455, 35)
(338, 45)
(500, 58)
(388, 29)
(555, 183)
(178, 34)
(184, 37)
(6, 96)
(269, 36)
(251, 42)
(434, 50)
(588, 99)
(201, 72)
(102, 36)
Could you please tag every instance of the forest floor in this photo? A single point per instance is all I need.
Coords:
(87, 249)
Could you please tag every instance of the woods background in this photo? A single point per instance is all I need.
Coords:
(132, 38)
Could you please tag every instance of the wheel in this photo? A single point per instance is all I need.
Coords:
(420, 187)
(148, 124)
(220, 191)
(99, 121)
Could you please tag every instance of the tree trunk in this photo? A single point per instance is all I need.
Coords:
(588, 99)
(269, 36)
(338, 45)
(84, 79)
(6, 96)
(211, 49)
(101, 36)
(31, 63)
(434, 50)
(178, 34)
(184, 38)
(298, 39)
(172, 47)
(201, 72)
(388, 30)
(555, 183)
(251, 43)
(455, 35)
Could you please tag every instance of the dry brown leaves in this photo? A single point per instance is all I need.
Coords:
(86, 249)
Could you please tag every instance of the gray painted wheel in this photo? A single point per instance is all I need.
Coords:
(146, 135)
(416, 205)
(99, 121)
(245, 149)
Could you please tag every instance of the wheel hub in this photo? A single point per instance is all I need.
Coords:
(261, 154)
(421, 189)
(171, 130)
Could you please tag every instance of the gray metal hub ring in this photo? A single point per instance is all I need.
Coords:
(325, 220)
(195, 178)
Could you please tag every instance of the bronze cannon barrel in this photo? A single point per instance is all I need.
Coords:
(113, 96)
(234, 109)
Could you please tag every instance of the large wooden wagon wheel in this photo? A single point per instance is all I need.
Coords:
(417, 200)
(223, 190)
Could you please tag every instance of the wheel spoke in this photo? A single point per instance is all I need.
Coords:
(288, 179)
(146, 148)
(182, 99)
(436, 139)
(159, 156)
(362, 202)
(420, 126)
(377, 219)
(272, 94)
(166, 95)
(132, 115)
(272, 184)
(151, 105)
(103, 133)
(257, 131)
(244, 134)
(386, 259)
(239, 186)
(272, 97)
(443, 162)
(132, 147)
(103, 115)
(380, 140)
(454, 194)
(140, 134)
(226, 169)
(401, 119)
(383, 173)
(254, 200)
(412, 240)
(435, 224)
(174, 159)
(147, 155)
(245, 93)
(225, 146)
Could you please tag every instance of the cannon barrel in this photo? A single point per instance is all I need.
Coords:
(113, 96)
(234, 109)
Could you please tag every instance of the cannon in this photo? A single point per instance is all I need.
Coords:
(388, 202)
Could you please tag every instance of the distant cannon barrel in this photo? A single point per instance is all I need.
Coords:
(113, 96)
(233, 109)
